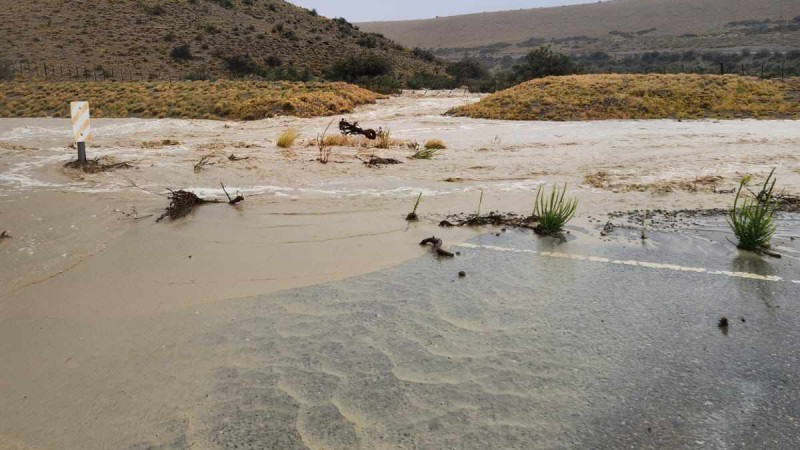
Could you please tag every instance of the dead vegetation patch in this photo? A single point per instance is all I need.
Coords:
(160, 144)
(98, 165)
(494, 218)
(181, 203)
(378, 162)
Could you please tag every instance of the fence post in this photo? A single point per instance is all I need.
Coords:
(722, 68)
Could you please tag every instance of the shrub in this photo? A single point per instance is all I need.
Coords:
(367, 41)
(423, 54)
(6, 72)
(287, 138)
(241, 65)
(428, 80)
(544, 62)
(274, 61)
(435, 144)
(553, 211)
(752, 220)
(155, 10)
(181, 52)
(467, 69)
(366, 65)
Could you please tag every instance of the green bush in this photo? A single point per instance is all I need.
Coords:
(428, 80)
(554, 211)
(181, 52)
(6, 72)
(752, 220)
(544, 62)
(366, 65)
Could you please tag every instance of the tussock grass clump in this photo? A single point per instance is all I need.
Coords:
(554, 211)
(324, 149)
(423, 154)
(288, 138)
(384, 139)
(751, 218)
(435, 144)
(602, 97)
(233, 100)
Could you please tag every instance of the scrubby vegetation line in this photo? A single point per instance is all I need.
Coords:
(601, 97)
(233, 100)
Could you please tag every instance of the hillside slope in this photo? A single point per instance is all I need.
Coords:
(160, 38)
(656, 18)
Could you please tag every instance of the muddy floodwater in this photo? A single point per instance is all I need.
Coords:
(309, 317)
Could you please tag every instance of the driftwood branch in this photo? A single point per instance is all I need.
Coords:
(133, 214)
(204, 161)
(437, 246)
(232, 201)
(348, 129)
(181, 203)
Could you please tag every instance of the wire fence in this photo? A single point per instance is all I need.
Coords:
(45, 71)
(764, 70)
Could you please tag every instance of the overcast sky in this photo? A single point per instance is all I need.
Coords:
(369, 10)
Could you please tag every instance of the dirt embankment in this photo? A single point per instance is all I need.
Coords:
(230, 100)
(605, 97)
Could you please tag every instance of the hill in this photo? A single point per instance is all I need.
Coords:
(612, 26)
(161, 39)
(601, 97)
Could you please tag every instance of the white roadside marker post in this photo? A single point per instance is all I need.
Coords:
(81, 127)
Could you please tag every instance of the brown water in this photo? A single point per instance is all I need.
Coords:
(119, 333)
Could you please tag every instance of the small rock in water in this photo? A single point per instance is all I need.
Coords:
(462, 274)
(723, 323)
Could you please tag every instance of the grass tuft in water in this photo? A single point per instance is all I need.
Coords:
(435, 144)
(554, 211)
(287, 138)
(423, 154)
(752, 218)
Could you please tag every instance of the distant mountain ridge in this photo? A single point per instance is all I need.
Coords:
(654, 18)
(179, 37)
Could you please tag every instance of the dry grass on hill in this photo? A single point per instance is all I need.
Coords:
(235, 100)
(178, 38)
(593, 20)
(601, 97)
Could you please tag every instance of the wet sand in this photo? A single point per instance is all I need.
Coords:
(102, 330)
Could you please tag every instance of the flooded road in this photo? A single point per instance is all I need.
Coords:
(544, 344)
(308, 316)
